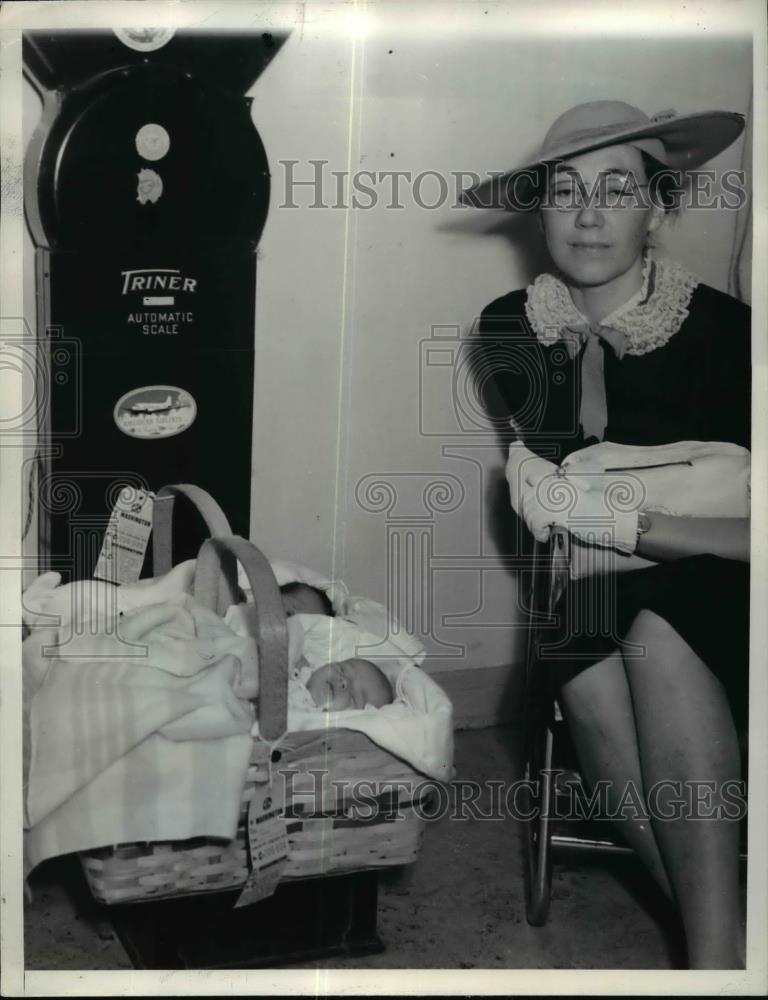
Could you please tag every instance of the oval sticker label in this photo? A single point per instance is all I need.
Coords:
(155, 411)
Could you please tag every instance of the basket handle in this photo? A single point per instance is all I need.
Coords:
(219, 557)
(162, 521)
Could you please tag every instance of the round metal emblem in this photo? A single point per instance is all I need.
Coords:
(152, 141)
(145, 39)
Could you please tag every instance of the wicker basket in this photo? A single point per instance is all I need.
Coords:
(365, 812)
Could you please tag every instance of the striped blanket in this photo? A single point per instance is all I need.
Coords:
(134, 734)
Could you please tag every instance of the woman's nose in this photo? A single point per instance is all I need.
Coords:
(589, 217)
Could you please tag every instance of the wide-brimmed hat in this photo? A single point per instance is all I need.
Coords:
(678, 142)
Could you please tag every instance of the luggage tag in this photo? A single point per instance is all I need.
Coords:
(126, 538)
(267, 841)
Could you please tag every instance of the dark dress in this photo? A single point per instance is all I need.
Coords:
(696, 387)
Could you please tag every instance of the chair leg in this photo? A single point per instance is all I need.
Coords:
(549, 577)
(538, 881)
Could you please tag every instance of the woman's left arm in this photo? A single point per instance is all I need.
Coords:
(671, 537)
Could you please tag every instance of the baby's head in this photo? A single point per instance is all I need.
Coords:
(351, 683)
(301, 599)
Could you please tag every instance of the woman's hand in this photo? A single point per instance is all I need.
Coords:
(586, 505)
(524, 471)
(604, 517)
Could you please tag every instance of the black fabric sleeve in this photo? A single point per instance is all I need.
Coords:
(730, 369)
(516, 378)
(498, 368)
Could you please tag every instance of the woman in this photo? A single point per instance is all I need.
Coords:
(620, 345)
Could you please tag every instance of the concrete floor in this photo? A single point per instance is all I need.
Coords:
(460, 906)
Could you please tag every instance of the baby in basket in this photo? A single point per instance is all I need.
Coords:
(345, 684)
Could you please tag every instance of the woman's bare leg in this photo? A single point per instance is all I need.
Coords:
(598, 707)
(686, 734)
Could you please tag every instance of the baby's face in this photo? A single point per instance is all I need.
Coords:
(346, 684)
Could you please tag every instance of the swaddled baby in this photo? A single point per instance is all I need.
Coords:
(345, 684)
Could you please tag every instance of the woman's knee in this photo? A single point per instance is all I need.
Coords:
(587, 693)
(665, 673)
(655, 653)
(651, 632)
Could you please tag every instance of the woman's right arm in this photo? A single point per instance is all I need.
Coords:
(513, 378)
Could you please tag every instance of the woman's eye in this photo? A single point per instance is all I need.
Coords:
(565, 197)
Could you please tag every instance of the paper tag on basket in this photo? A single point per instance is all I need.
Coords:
(126, 538)
(267, 842)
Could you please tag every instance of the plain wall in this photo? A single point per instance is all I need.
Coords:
(360, 468)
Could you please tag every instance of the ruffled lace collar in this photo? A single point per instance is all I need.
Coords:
(648, 320)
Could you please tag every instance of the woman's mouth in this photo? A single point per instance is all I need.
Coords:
(591, 248)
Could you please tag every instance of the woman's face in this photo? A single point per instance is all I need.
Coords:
(595, 244)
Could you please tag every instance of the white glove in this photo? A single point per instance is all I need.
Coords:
(539, 519)
(597, 509)
(524, 470)
(606, 513)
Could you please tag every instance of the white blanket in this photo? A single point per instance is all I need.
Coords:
(418, 725)
(368, 615)
(68, 607)
(138, 737)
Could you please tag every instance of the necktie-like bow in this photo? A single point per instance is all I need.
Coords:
(594, 403)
